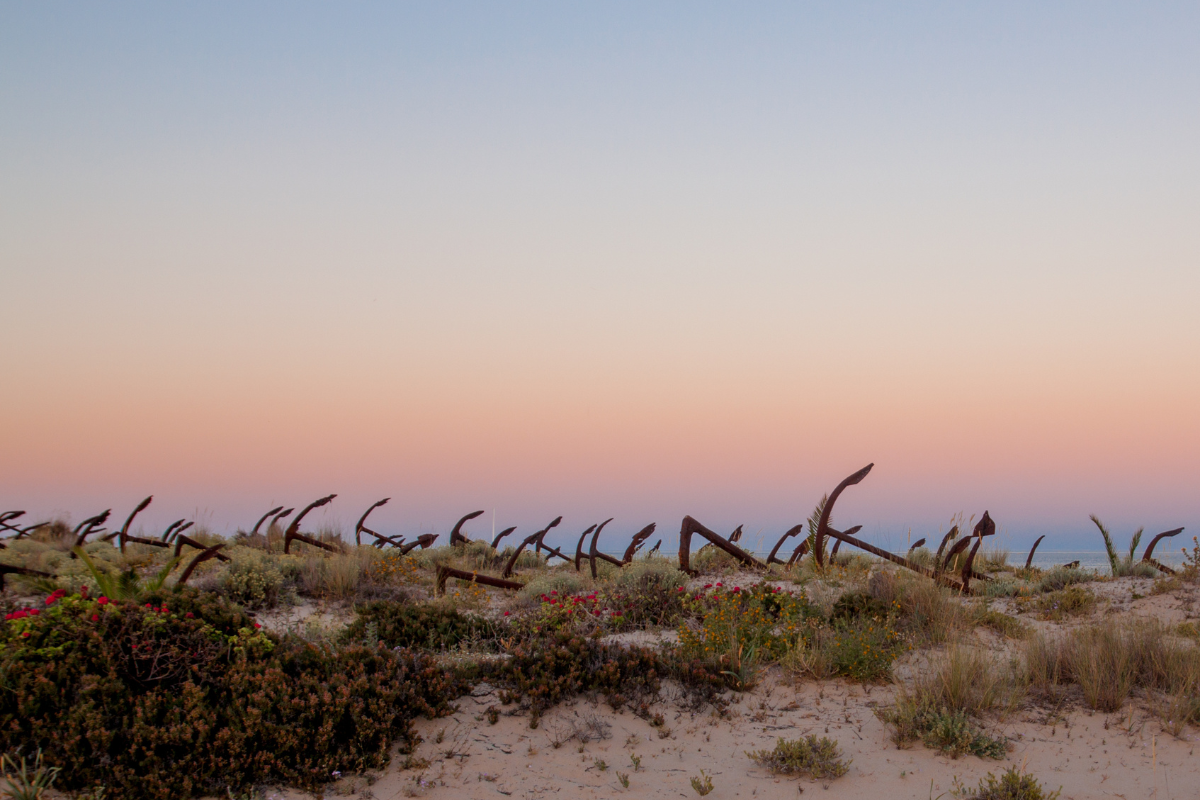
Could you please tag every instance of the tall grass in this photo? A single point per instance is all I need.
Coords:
(1111, 658)
(1124, 566)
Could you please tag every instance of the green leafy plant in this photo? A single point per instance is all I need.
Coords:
(950, 730)
(24, 781)
(816, 758)
(158, 700)
(428, 626)
(1122, 567)
(128, 585)
(1012, 785)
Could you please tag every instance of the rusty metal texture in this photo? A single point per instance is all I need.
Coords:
(530, 539)
(423, 541)
(967, 572)
(1148, 556)
(827, 512)
(445, 572)
(691, 526)
(9, 569)
(86, 528)
(181, 541)
(361, 525)
(282, 515)
(799, 552)
(456, 536)
(895, 559)
(950, 534)
(123, 534)
(175, 534)
(654, 549)
(501, 535)
(579, 546)
(1032, 550)
(736, 536)
(202, 556)
(293, 530)
(166, 535)
(263, 519)
(639, 539)
(792, 531)
(592, 549)
(959, 546)
(916, 544)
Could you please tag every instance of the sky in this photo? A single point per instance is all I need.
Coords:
(603, 260)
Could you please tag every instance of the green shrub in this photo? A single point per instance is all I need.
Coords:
(425, 626)
(164, 700)
(952, 731)
(543, 672)
(1062, 577)
(252, 579)
(1069, 602)
(862, 650)
(561, 583)
(855, 605)
(1011, 785)
(816, 758)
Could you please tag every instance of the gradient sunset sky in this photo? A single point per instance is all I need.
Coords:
(611, 259)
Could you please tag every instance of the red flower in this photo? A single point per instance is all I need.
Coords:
(149, 606)
(25, 635)
(256, 625)
(163, 610)
(506, 613)
(33, 612)
(95, 617)
(102, 600)
(189, 615)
